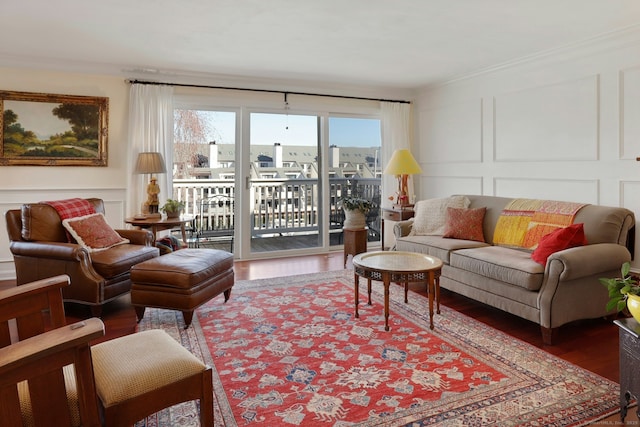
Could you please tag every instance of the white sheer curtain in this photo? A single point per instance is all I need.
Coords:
(396, 134)
(150, 129)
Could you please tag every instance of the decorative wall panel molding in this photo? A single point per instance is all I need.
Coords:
(630, 199)
(553, 122)
(585, 191)
(444, 186)
(451, 134)
(629, 82)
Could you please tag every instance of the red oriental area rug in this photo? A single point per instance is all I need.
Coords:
(289, 352)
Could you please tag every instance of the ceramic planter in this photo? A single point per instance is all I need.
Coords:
(354, 218)
(633, 305)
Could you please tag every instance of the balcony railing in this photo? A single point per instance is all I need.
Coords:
(278, 207)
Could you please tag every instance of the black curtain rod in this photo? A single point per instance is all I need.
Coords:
(285, 93)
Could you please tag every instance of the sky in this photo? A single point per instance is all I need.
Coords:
(267, 129)
(38, 117)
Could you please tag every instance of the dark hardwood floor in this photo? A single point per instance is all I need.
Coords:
(592, 344)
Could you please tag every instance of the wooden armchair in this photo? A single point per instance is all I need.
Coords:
(70, 383)
(41, 249)
(34, 364)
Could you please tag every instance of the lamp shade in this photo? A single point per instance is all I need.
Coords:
(402, 163)
(150, 162)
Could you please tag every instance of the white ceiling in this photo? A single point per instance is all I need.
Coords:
(382, 43)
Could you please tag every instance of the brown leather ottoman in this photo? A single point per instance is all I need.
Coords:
(181, 280)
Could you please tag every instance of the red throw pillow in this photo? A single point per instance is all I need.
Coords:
(464, 224)
(92, 232)
(558, 240)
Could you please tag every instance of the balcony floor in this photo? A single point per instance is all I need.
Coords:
(280, 243)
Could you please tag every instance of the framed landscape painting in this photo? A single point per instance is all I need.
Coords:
(40, 129)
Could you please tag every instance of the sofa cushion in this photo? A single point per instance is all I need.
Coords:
(41, 223)
(436, 246)
(507, 265)
(92, 232)
(561, 239)
(119, 259)
(465, 224)
(430, 215)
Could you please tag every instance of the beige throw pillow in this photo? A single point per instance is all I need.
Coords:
(431, 215)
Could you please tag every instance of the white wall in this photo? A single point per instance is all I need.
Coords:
(22, 184)
(563, 126)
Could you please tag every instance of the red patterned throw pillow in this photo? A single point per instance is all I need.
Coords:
(465, 224)
(93, 233)
(559, 240)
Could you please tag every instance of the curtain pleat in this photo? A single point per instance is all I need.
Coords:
(396, 134)
(150, 129)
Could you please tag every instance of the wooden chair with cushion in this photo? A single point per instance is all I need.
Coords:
(41, 248)
(38, 383)
(116, 383)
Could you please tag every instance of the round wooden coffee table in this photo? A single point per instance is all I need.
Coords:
(401, 267)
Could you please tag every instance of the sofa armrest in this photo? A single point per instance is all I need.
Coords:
(137, 237)
(588, 260)
(572, 289)
(50, 250)
(402, 228)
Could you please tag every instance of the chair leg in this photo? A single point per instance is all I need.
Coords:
(140, 312)
(188, 317)
(96, 310)
(227, 294)
(206, 400)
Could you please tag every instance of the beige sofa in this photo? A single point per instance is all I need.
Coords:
(564, 290)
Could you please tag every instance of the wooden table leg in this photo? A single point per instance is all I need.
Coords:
(369, 289)
(406, 292)
(437, 278)
(356, 280)
(386, 282)
(183, 229)
(431, 290)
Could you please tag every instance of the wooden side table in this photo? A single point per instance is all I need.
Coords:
(394, 215)
(159, 224)
(355, 241)
(629, 360)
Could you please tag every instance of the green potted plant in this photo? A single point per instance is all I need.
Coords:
(355, 211)
(356, 203)
(172, 208)
(624, 292)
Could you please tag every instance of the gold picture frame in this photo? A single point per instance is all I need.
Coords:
(41, 129)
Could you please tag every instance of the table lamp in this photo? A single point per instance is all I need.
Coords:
(151, 163)
(402, 164)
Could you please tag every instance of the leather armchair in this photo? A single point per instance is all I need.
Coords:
(40, 249)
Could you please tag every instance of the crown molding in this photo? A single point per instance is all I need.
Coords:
(613, 40)
(200, 78)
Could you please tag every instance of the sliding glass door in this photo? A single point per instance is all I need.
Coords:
(284, 185)
(354, 170)
(281, 175)
(204, 177)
